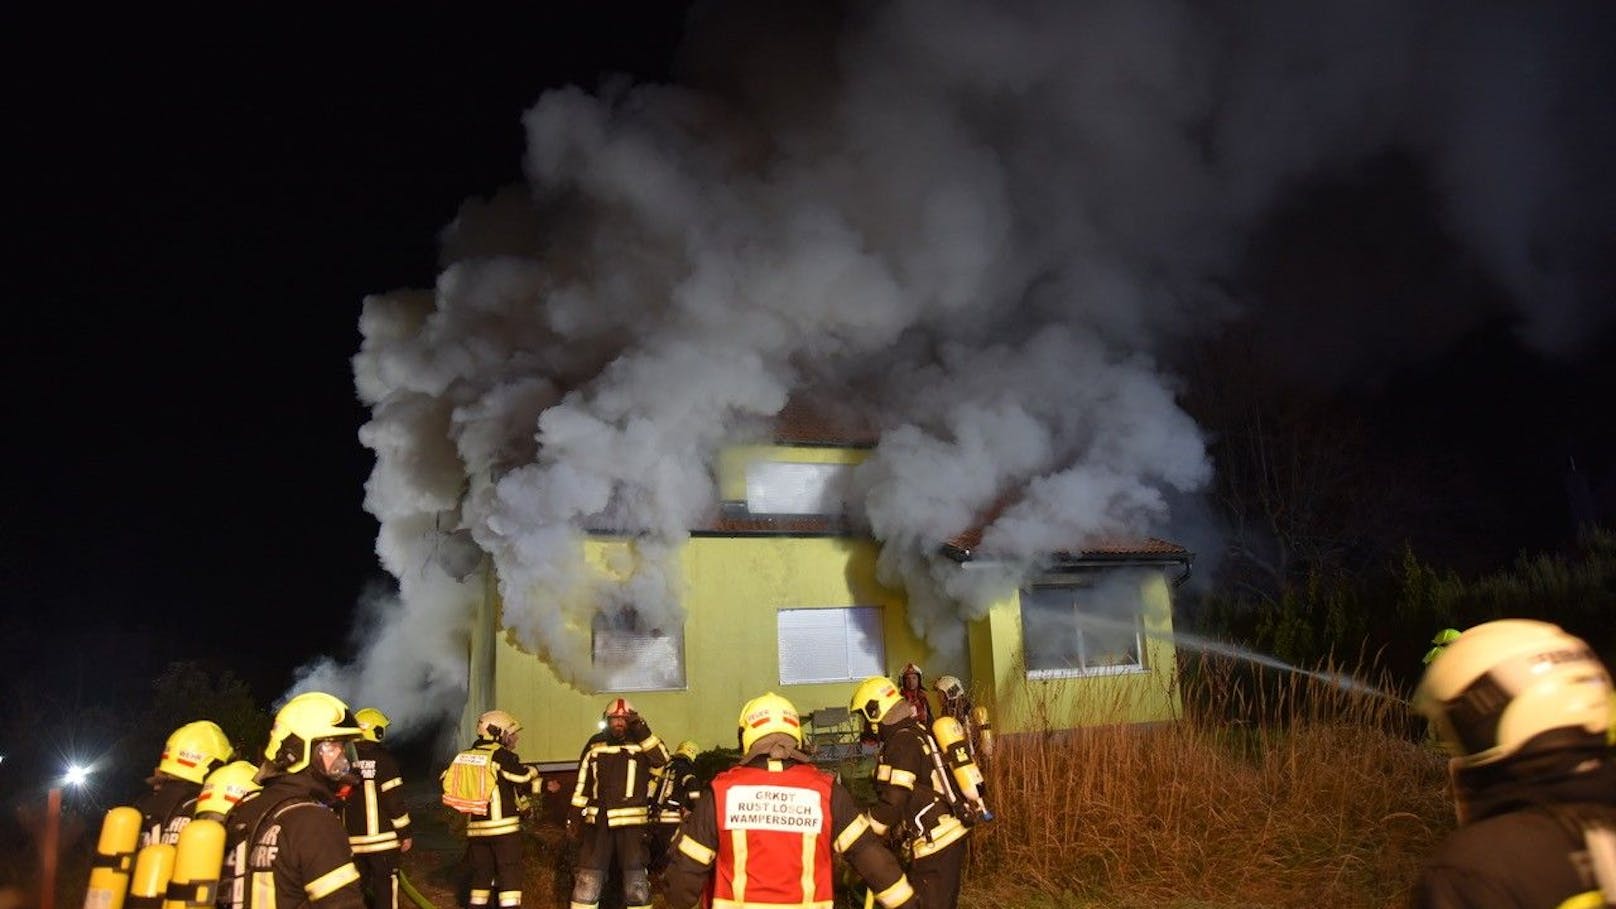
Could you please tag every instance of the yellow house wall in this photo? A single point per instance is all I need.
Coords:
(1024, 705)
(733, 588)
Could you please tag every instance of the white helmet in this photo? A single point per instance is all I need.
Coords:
(1502, 684)
(497, 725)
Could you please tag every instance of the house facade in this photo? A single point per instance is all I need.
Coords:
(779, 594)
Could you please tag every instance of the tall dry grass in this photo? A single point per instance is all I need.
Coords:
(1272, 790)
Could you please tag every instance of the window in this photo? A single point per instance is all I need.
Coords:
(1082, 629)
(838, 644)
(632, 658)
(792, 487)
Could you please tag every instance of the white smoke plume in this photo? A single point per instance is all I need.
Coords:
(985, 226)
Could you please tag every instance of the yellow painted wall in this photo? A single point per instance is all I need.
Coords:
(1022, 704)
(733, 588)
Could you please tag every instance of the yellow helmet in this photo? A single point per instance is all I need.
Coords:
(194, 750)
(372, 722)
(1502, 686)
(226, 787)
(767, 714)
(873, 698)
(687, 749)
(304, 720)
(496, 725)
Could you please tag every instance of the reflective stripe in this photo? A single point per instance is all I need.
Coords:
(263, 890)
(373, 839)
(493, 826)
(878, 828)
(810, 851)
(372, 807)
(851, 834)
(1593, 899)
(903, 779)
(509, 898)
(402, 820)
(737, 844)
(328, 883)
(883, 772)
(393, 783)
(897, 894)
(650, 742)
(943, 835)
(696, 851)
(633, 768)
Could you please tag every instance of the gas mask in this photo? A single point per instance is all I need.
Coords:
(334, 759)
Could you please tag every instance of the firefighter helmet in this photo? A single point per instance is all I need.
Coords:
(308, 718)
(687, 749)
(767, 714)
(617, 707)
(949, 687)
(1500, 686)
(373, 722)
(496, 725)
(873, 698)
(195, 750)
(226, 787)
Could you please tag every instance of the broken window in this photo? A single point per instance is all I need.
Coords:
(1075, 628)
(631, 657)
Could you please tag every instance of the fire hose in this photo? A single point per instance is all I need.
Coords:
(414, 894)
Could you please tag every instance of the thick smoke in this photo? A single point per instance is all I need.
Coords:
(986, 226)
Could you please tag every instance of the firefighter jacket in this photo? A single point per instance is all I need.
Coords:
(514, 783)
(166, 809)
(1526, 845)
(914, 798)
(765, 834)
(677, 790)
(374, 811)
(613, 776)
(289, 848)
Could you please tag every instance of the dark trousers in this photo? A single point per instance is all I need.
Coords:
(661, 836)
(495, 860)
(936, 878)
(599, 849)
(378, 878)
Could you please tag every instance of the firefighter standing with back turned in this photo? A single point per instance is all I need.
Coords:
(494, 830)
(377, 820)
(1524, 708)
(914, 796)
(766, 832)
(191, 753)
(612, 795)
(296, 849)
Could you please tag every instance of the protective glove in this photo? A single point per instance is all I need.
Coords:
(638, 729)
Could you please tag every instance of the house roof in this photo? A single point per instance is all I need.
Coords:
(962, 547)
(808, 422)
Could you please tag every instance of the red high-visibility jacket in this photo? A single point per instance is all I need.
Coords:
(777, 811)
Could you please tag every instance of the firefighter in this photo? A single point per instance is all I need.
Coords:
(191, 753)
(494, 833)
(766, 832)
(955, 702)
(374, 812)
(615, 805)
(915, 800)
(286, 844)
(1523, 707)
(913, 686)
(673, 795)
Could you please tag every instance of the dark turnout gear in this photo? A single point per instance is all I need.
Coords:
(166, 809)
(1525, 710)
(766, 832)
(676, 791)
(285, 847)
(613, 797)
(378, 822)
(493, 837)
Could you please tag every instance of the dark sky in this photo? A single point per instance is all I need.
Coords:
(198, 212)
(195, 220)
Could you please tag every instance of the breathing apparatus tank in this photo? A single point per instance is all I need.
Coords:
(967, 777)
(114, 859)
(984, 731)
(198, 859)
(153, 867)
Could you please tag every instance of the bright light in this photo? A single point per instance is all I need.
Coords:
(76, 775)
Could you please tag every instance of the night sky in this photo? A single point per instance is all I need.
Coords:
(196, 222)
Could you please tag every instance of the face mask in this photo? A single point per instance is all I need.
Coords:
(335, 759)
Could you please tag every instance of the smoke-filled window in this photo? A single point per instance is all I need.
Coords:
(833, 644)
(631, 658)
(1082, 629)
(793, 487)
